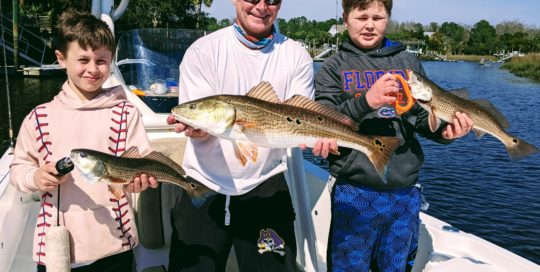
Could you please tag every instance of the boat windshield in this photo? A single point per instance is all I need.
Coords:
(149, 60)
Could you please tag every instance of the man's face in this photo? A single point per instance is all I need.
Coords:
(367, 27)
(256, 19)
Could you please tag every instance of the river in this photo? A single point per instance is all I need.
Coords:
(471, 184)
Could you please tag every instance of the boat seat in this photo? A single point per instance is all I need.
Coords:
(152, 207)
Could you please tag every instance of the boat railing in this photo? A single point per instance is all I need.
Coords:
(31, 46)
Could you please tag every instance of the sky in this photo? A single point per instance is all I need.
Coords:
(468, 12)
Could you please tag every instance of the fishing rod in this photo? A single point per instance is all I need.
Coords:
(11, 140)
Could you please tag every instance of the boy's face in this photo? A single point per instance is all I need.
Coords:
(367, 27)
(256, 19)
(87, 70)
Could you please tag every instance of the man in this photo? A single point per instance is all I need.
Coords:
(253, 209)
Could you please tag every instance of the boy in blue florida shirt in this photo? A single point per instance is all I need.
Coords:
(375, 222)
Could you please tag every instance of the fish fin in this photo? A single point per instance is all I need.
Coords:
(461, 93)
(245, 124)
(114, 181)
(479, 133)
(518, 149)
(132, 152)
(241, 158)
(116, 190)
(490, 108)
(245, 151)
(162, 158)
(434, 122)
(381, 155)
(308, 104)
(264, 91)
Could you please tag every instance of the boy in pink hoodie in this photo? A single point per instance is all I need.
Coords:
(83, 115)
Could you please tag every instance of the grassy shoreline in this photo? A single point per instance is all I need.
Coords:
(472, 58)
(526, 66)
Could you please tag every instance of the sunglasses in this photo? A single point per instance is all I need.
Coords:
(268, 2)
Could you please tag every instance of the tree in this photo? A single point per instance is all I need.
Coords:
(199, 3)
(481, 39)
(392, 26)
(509, 27)
(433, 27)
(436, 42)
(454, 36)
(419, 31)
(30, 10)
(153, 13)
(519, 41)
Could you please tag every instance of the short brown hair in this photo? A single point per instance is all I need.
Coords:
(86, 29)
(349, 5)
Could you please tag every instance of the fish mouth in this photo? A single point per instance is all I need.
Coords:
(183, 119)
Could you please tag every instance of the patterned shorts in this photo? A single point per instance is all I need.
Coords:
(373, 227)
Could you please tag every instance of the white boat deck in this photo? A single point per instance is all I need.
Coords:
(440, 248)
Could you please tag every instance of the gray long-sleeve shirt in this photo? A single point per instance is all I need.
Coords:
(342, 83)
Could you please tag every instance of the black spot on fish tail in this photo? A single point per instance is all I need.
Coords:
(385, 148)
(519, 149)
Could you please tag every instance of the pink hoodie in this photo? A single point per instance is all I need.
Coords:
(99, 224)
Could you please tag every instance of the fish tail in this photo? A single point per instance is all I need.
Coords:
(519, 149)
(381, 155)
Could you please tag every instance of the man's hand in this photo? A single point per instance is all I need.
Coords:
(383, 92)
(141, 183)
(46, 177)
(181, 127)
(461, 125)
(323, 147)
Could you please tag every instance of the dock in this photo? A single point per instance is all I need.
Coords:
(43, 71)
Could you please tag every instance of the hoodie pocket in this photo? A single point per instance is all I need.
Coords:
(99, 232)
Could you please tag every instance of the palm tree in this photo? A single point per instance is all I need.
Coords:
(207, 3)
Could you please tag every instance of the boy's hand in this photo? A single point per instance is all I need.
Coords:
(461, 125)
(46, 177)
(141, 183)
(323, 147)
(181, 127)
(383, 92)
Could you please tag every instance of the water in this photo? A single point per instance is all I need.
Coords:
(470, 184)
(25, 94)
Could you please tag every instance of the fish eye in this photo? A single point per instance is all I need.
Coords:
(83, 155)
(192, 186)
(192, 106)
